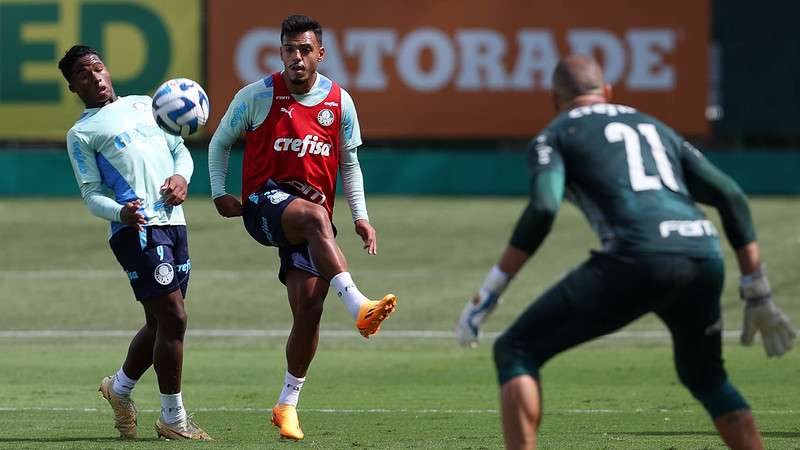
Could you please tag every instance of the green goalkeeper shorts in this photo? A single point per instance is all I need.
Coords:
(609, 291)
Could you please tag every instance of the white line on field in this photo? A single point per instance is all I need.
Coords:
(383, 410)
(93, 274)
(106, 273)
(268, 410)
(658, 335)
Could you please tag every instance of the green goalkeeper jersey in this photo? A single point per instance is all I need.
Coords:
(636, 181)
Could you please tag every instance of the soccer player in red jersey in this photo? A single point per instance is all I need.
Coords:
(301, 131)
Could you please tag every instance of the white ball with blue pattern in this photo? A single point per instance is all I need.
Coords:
(180, 106)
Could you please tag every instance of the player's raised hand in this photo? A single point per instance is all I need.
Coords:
(174, 190)
(228, 206)
(762, 315)
(368, 235)
(130, 215)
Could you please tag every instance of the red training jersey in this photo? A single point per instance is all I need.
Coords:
(296, 145)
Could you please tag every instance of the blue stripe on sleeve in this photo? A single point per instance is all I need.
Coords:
(80, 160)
(123, 192)
(268, 81)
(143, 238)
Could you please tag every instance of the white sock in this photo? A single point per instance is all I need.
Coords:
(123, 384)
(347, 291)
(172, 408)
(290, 393)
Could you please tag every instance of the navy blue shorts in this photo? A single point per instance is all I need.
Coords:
(262, 220)
(262, 214)
(156, 259)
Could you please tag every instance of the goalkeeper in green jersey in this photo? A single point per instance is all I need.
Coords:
(637, 182)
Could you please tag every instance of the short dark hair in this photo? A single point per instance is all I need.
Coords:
(300, 24)
(67, 63)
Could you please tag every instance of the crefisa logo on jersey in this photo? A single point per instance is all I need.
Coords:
(164, 274)
(325, 117)
(310, 144)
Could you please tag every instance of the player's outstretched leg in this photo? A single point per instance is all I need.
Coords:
(306, 222)
(368, 314)
(372, 313)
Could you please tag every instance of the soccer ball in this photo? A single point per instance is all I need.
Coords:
(180, 106)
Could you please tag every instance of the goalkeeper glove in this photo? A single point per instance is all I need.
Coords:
(480, 306)
(762, 315)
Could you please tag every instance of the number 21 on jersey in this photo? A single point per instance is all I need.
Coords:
(640, 181)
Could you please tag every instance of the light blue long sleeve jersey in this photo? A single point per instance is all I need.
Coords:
(249, 109)
(119, 154)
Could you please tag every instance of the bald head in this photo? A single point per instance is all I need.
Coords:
(575, 76)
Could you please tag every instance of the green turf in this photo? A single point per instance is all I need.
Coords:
(57, 273)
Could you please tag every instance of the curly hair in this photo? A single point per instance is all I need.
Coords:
(67, 63)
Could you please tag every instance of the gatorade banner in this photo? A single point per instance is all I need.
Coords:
(143, 43)
(471, 68)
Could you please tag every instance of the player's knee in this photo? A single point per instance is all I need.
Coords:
(709, 385)
(316, 221)
(720, 400)
(511, 360)
(699, 377)
(173, 319)
(177, 322)
(309, 311)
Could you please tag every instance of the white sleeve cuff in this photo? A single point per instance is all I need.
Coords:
(496, 281)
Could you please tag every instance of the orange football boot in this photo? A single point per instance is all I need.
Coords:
(285, 417)
(373, 313)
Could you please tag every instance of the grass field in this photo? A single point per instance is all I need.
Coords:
(67, 314)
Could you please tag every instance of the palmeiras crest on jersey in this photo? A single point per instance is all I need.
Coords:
(164, 274)
(325, 117)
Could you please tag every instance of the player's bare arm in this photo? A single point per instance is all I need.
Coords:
(749, 258)
(512, 260)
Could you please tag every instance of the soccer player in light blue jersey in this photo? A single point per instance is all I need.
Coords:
(134, 175)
